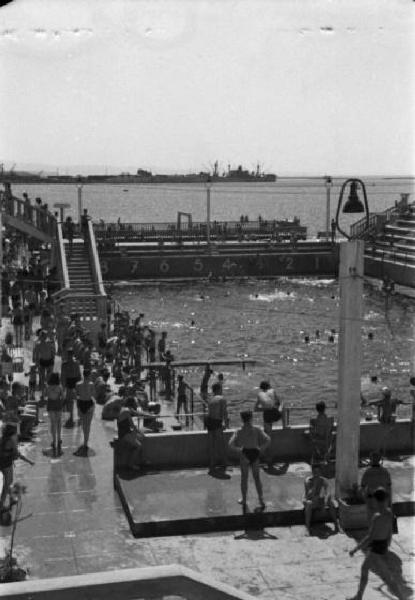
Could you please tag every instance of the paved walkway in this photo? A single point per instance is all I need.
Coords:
(78, 526)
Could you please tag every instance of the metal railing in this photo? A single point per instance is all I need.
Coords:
(94, 261)
(196, 230)
(378, 220)
(36, 216)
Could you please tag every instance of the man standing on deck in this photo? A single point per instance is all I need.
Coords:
(44, 358)
(161, 346)
(216, 420)
(269, 403)
(249, 441)
(70, 375)
(204, 384)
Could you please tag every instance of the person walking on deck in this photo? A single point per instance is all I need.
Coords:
(54, 406)
(44, 358)
(85, 391)
(69, 230)
(375, 545)
(18, 323)
(70, 375)
(249, 442)
(216, 419)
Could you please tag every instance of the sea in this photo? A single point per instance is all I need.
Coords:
(264, 321)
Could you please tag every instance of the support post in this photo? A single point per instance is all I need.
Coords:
(79, 203)
(328, 191)
(208, 216)
(1, 258)
(349, 365)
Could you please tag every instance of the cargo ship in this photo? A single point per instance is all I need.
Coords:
(238, 175)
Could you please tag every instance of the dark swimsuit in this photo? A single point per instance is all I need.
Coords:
(84, 405)
(379, 546)
(71, 382)
(252, 454)
(213, 424)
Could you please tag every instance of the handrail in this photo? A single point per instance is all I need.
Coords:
(376, 220)
(40, 218)
(196, 230)
(95, 264)
(62, 256)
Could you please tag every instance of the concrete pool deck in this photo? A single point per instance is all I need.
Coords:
(78, 525)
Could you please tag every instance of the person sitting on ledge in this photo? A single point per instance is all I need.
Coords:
(130, 437)
(316, 495)
(375, 476)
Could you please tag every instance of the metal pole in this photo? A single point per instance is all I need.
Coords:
(328, 190)
(1, 258)
(208, 216)
(349, 366)
(79, 203)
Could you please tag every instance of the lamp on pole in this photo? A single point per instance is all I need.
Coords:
(328, 184)
(351, 270)
(208, 184)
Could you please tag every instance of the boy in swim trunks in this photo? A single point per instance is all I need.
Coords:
(85, 391)
(44, 358)
(375, 545)
(70, 375)
(216, 420)
(316, 495)
(249, 442)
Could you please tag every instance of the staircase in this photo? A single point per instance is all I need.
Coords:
(81, 279)
(391, 251)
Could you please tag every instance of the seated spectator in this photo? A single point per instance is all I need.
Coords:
(117, 372)
(129, 436)
(102, 388)
(9, 452)
(371, 391)
(375, 476)
(6, 364)
(316, 495)
(112, 408)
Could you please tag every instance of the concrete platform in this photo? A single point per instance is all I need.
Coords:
(191, 501)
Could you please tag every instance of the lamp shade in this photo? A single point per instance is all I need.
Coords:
(353, 204)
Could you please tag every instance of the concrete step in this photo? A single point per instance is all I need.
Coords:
(392, 256)
(398, 230)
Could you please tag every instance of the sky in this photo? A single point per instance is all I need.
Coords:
(304, 87)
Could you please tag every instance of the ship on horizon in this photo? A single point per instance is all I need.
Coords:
(230, 176)
(238, 175)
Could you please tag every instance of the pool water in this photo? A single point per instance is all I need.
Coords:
(268, 321)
